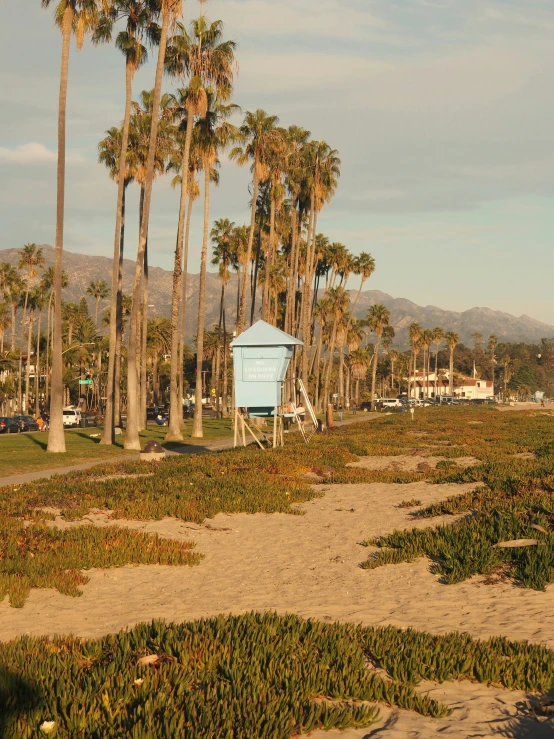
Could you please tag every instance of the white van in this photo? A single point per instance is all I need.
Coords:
(72, 417)
(390, 403)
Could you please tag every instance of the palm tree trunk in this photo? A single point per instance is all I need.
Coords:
(225, 378)
(12, 337)
(47, 363)
(217, 383)
(28, 364)
(374, 372)
(254, 277)
(307, 294)
(155, 386)
(184, 302)
(56, 437)
(347, 391)
(248, 259)
(291, 288)
(197, 432)
(110, 419)
(144, 337)
(132, 440)
(37, 369)
(268, 261)
(330, 363)
(119, 321)
(436, 368)
(451, 373)
(175, 398)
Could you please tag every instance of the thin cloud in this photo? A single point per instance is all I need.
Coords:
(34, 153)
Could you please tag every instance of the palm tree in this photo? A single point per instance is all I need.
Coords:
(169, 10)
(210, 64)
(140, 23)
(322, 173)
(393, 359)
(214, 134)
(99, 291)
(223, 236)
(31, 259)
(80, 16)
(35, 302)
(4, 323)
(338, 302)
(414, 333)
(378, 318)
(452, 341)
(11, 286)
(426, 341)
(359, 361)
(364, 266)
(492, 344)
(46, 285)
(506, 361)
(159, 344)
(256, 134)
(438, 336)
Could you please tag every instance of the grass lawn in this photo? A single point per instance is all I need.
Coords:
(20, 453)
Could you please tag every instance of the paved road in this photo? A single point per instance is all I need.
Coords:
(210, 446)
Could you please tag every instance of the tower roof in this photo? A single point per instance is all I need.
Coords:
(262, 333)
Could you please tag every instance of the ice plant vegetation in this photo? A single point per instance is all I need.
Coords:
(264, 676)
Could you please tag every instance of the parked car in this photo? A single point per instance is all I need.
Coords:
(365, 406)
(386, 403)
(9, 426)
(428, 401)
(72, 417)
(152, 412)
(27, 423)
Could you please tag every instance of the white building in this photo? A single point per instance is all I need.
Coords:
(429, 386)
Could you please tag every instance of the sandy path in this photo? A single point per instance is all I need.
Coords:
(301, 564)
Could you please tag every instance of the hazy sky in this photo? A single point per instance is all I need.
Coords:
(442, 112)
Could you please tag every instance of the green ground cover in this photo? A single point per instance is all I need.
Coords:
(20, 453)
(263, 676)
(37, 556)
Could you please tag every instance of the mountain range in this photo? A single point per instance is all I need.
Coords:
(82, 269)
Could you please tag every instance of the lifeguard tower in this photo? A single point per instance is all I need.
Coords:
(261, 357)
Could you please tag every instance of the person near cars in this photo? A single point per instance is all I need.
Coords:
(354, 408)
(340, 411)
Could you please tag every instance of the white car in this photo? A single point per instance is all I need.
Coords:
(72, 417)
(390, 403)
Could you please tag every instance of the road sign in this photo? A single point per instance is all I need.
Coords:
(335, 395)
(85, 382)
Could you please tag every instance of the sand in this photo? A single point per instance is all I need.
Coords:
(410, 462)
(477, 711)
(308, 565)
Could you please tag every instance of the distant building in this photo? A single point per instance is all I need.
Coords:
(429, 386)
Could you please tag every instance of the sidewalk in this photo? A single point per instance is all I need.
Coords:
(211, 446)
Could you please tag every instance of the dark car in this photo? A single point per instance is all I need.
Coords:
(27, 423)
(365, 406)
(152, 412)
(9, 426)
